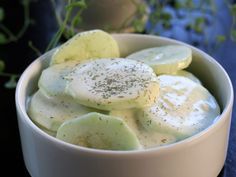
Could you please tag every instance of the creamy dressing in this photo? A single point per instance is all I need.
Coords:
(146, 138)
(179, 108)
(182, 109)
(50, 112)
(92, 98)
(113, 84)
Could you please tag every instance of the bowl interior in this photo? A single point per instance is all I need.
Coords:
(203, 66)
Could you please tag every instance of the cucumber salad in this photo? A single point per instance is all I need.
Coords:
(89, 96)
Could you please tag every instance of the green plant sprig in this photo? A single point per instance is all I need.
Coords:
(67, 26)
(13, 77)
(160, 16)
(7, 36)
(232, 8)
(11, 37)
(63, 25)
(34, 48)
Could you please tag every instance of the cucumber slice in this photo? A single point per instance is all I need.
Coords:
(188, 75)
(113, 84)
(146, 138)
(128, 116)
(98, 131)
(87, 45)
(51, 112)
(165, 59)
(183, 108)
(53, 81)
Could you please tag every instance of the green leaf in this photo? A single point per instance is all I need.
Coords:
(233, 34)
(76, 20)
(138, 25)
(220, 38)
(2, 66)
(233, 9)
(81, 4)
(3, 39)
(198, 29)
(208, 2)
(2, 14)
(189, 4)
(166, 16)
(11, 84)
(198, 25)
(166, 25)
(25, 2)
(155, 16)
(199, 20)
(178, 5)
(142, 8)
(153, 2)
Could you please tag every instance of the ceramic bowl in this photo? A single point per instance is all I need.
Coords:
(202, 155)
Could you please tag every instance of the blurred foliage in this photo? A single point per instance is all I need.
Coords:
(7, 36)
(71, 4)
(2, 66)
(157, 16)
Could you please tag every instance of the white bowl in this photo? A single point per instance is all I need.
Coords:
(202, 155)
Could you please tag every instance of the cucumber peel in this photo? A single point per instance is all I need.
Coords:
(87, 45)
(98, 131)
(51, 112)
(166, 59)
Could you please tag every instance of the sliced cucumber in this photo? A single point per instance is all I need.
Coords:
(128, 116)
(188, 75)
(87, 45)
(183, 108)
(51, 112)
(53, 81)
(113, 84)
(146, 138)
(165, 59)
(98, 131)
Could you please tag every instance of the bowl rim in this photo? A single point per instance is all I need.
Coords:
(22, 114)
